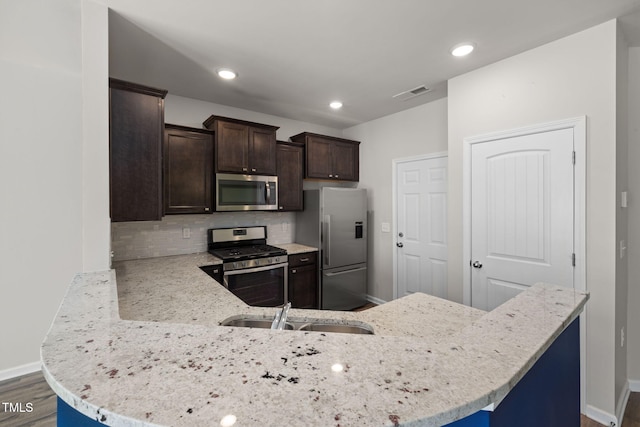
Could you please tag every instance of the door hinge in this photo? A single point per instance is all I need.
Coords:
(573, 157)
(573, 260)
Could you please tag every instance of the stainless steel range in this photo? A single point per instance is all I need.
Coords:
(252, 270)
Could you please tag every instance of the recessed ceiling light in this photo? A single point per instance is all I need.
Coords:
(462, 49)
(336, 105)
(227, 74)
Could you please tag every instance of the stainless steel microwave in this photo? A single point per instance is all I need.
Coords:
(246, 192)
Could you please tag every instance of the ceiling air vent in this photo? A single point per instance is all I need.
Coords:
(412, 93)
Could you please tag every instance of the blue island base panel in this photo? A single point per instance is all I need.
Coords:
(69, 417)
(548, 395)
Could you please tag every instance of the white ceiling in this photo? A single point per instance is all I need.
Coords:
(295, 56)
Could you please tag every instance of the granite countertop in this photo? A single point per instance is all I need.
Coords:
(296, 248)
(147, 350)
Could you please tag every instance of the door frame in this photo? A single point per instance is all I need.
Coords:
(394, 197)
(579, 127)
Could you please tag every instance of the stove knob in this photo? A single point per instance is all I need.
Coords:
(244, 263)
(258, 261)
(235, 265)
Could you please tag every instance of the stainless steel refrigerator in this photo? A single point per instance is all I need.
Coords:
(335, 221)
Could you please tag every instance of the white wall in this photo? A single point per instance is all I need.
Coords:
(192, 112)
(570, 77)
(40, 169)
(420, 130)
(96, 224)
(54, 222)
(622, 268)
(633, 333)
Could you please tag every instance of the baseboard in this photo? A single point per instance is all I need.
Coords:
(19, 371)
(634, 385)
(375, 300)
(601, 416)
(622, 403)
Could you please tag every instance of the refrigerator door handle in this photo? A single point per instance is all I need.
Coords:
(327, 240)
(345, 272)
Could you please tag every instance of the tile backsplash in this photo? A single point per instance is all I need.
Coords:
(149, 239)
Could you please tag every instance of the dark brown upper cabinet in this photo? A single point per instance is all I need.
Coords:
(243, 147)
(136, 124)
(188, 170)
(328, 157)
(290, 167)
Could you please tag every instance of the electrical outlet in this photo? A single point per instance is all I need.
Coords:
(186, 233)
(386, 227)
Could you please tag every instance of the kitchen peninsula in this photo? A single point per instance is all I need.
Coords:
(142, 345)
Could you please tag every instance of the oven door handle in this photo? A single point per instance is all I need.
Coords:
(256, 269)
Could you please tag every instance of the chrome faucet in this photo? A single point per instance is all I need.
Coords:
(280, 318)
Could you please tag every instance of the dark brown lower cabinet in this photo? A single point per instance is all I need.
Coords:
(188, 170)
(303, 280)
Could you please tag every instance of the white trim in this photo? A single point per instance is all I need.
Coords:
(394, 207)
(579, 126)
(622, 403)
(634, 385)
(21, 370)
(375, 300)
(600, 416)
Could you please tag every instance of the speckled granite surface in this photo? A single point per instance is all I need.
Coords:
(148, 350)
(296, 248)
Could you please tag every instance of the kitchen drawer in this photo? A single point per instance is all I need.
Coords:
(307, 258)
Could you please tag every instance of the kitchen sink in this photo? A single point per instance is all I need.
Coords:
(251, 323)
(307, 325)
(334, 327)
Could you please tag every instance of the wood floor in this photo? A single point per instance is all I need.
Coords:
(34, 389)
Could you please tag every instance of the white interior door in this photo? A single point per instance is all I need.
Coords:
(421, 240)
(522, 215)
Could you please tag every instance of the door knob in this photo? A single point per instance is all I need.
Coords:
(400, 244)
(477, 264)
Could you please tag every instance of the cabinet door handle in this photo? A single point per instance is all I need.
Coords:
(206, 209)
(304, 259)
(244, 169)
(336, 176)
(294, 271)
(253, 169)
(330, 175)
